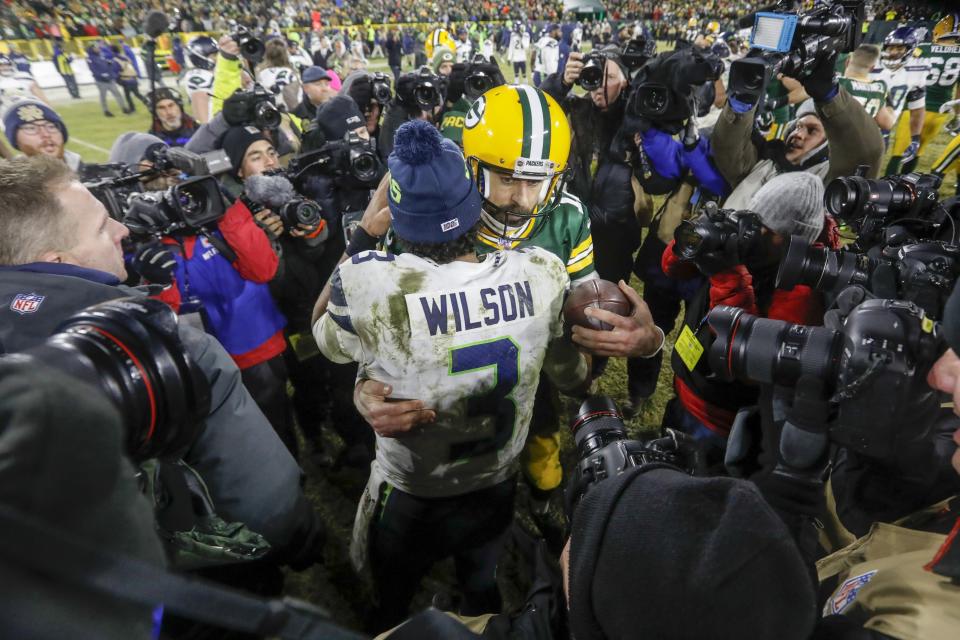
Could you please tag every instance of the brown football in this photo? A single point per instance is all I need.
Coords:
(600, 294)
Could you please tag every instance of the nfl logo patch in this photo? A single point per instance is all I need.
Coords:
(24, 303)
(847, 593)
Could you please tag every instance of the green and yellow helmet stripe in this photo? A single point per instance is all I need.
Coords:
(536, 123)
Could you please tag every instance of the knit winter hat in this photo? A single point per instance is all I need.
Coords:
(29, 111)
(237, 140)
(432, 195)
(441, 55)
(337, 116)
(661, 554)
(791, 204)
(132, 147)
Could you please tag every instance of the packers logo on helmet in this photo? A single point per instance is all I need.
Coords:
(947, 31)
(439, 38)
(522, 132)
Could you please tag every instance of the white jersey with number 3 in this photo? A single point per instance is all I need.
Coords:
(468, 339)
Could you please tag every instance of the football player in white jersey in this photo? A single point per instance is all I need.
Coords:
(277, 75)
(517, 52)
(906, 78)
(16, 85)
(548, 54)
(464, 46)
(467, 334)
(198, 80)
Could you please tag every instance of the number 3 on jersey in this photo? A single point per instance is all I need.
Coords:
(503, 356)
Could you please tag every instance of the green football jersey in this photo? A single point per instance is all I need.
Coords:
(564, 232)
(451, 124)
(872, 94)
(944, 62)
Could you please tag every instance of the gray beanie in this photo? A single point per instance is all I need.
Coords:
(791, 204)
(131, 147)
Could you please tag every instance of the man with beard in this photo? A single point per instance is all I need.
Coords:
(35, 129)
(170, 123)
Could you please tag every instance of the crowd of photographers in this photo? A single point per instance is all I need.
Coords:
(807, 460)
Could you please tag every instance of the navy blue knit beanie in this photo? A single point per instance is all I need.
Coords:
(432, 195)
(27, 111)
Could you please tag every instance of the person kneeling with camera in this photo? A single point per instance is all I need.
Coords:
(223, 273)
(739, 252)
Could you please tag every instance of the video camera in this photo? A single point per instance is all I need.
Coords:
(251, 48)
(421, 89)
(276, 192)
(188, 207)
(130, 349)
(256, 107)
(604, 450)
(875, 367)
(350, 157)
(923, 272)
(666, 89)
(481, 75)
(885, 210)
(791, 43)
(718, 233)
(636, 51)
(113, 184)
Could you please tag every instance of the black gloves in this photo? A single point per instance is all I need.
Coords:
(154, 262)
(821, 83)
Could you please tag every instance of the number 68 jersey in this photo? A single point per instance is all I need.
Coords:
(469, 339)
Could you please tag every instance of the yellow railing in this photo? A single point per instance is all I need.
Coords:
(37, 48)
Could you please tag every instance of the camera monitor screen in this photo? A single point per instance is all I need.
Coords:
(773, 31)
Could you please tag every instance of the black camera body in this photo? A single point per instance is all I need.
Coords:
(635, 52)
(188, 207)
(380, 88)
(594, 66)
(256, 107)
(875, 367)
(871, 206)
(480, 76)
(920, 272)
(274, 190)
(131, 350)
(251, 48)
(350, 157)
(724, 232)
(667, 89)
(421, 89)
(816, 35)
(604, 450)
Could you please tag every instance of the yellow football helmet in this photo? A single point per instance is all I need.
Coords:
(439, 37)
(519, 131)
(713, 27)
(947, 31)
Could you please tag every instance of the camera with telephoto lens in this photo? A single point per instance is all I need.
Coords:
(481, 75)
(380, 88)
(874, 367)
(256, 107)
(871, 206)
(131, 350)
(352, 156)
(188, 207)
(921, 272)
(791, 43)
(604, 450)
(251, 48)
(724, 232)
(591, 75)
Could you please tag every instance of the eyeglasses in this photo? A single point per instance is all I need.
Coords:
(33, 128)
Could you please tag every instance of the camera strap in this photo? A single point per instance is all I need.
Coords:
(35, 545)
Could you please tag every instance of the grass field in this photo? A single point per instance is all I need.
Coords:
(335, 493)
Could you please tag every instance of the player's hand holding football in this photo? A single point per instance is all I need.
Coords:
(632, 336)
(389, 419)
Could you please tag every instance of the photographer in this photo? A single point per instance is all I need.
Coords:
(417, 97)
(59, 246)
(831, 139)
(372, 93)
(35, 129)
(231, 293)
(741, 276)
(170, 123)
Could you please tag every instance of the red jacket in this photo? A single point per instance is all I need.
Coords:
(735, 287)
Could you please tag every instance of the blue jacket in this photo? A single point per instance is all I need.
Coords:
(128, 51)
(103, 70)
